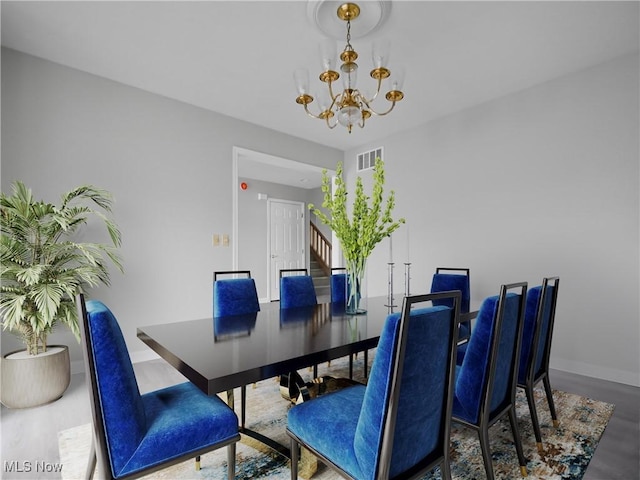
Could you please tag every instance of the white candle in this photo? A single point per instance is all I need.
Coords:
(408, 255)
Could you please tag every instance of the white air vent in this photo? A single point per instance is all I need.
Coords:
(367, 160)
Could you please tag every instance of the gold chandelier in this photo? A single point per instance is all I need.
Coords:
(349, 107)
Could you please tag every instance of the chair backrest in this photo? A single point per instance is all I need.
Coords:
(487, 378)
(404, 421)
(118, 412)
(537, 333)
(338, 285)
(235, 296)
(287, 272)
(297, 291)
(443, 282)
(234, 273)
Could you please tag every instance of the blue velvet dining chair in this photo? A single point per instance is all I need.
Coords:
(134, 434)
(338, 285)
(446, 279)
(235, 297)
(338, 304)
(397, 426)
(485, 387)
(296, 288)
(536, 348)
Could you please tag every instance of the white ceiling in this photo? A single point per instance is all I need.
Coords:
(237, 57)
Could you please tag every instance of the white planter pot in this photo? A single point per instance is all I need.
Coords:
(32, 380)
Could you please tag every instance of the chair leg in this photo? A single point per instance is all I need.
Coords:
(198, 463)
(351, 367)
(366, 363)
(231, 461)
(483, 434)
(294, 460)
(552, 408)
(534, 417)
(516, 437)
(445, 469)
(93, 460)
(243, 405)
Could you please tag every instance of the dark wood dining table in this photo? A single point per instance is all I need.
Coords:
(223, 353)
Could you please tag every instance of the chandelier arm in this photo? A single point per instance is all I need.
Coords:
(366, 100)
(333, 97)
(329, 123)
(393, 104)
(306, 109)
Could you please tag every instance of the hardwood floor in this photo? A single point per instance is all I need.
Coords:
(618, 453)
(31, 435)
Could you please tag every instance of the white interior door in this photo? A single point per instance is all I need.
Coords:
(286, 240)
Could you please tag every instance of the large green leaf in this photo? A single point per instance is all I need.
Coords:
(43, 268)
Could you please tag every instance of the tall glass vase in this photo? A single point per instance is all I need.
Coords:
(356, 294)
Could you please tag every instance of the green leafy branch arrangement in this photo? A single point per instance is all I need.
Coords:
(370, 223)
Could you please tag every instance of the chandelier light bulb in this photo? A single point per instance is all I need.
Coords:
(380, 53)
(301, 79)
(397, 79)
(328, 54)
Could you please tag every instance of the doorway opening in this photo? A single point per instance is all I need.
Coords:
(254, 168)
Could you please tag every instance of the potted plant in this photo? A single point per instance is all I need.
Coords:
(43, 267)
(358, 235)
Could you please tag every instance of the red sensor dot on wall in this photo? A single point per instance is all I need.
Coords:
(244, 186)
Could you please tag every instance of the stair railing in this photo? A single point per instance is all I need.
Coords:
(320, 249)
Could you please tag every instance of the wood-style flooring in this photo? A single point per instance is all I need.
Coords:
(30, 435)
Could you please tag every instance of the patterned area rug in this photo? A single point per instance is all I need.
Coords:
(568, 448)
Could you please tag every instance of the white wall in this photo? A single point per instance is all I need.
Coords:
(539, 183)
(542, 182)
(168, 165)
(253, 228)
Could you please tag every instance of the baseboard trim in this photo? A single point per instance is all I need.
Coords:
(77, 366)
(595, 371)
(143, 356)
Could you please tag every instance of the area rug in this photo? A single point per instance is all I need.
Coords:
(568, 448)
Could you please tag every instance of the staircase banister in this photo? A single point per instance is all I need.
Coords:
(320, 248)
